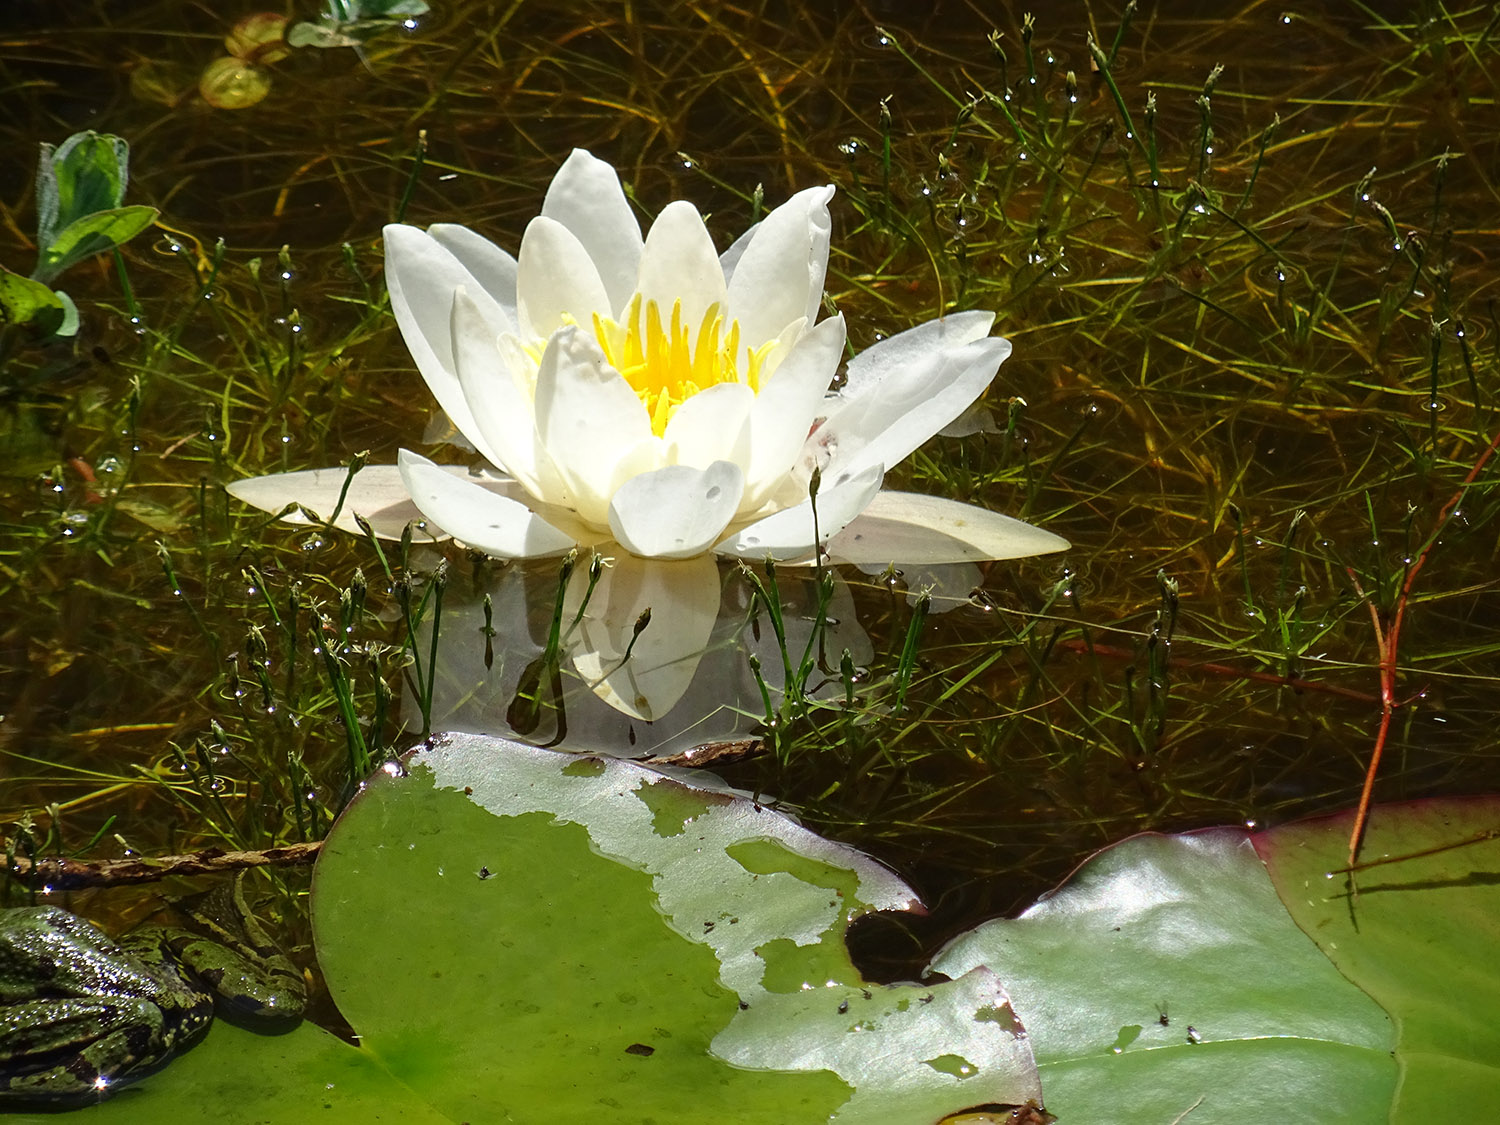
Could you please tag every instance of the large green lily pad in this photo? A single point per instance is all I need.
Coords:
(623, 944)
(522, 935)
(1422, 936)
(1257, 1021)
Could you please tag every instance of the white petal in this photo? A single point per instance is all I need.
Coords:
(683, 598)
(492, 267)
(904, 528)
(585, 196)
(731, 257)
(556, 281)
(377, 493)
(503, 413)
(590, 421)
(675, 512)
(712, 425)
(679, 262)
(786, 406)
(907, 349)
(789, 534)
(422, 275)
(907, 407)
(779, 277)
(478, 517)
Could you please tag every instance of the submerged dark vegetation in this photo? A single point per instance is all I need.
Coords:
(1247, 260)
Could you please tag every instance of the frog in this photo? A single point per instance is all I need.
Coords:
(83, 1014)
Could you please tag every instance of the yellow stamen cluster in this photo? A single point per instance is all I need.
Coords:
(667, 363)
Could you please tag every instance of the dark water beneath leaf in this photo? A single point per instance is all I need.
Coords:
(1255, 352)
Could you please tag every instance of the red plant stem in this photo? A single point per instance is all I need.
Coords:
(1388, 641)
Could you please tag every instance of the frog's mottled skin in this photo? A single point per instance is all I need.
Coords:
(80, 1012)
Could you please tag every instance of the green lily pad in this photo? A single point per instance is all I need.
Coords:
(619, 943)
(1164, 981)
(523, 935)
(237, 1077)
(1420, 937)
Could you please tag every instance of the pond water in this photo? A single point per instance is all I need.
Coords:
(1247, 258)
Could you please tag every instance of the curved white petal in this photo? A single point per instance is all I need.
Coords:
(492, 267)
(590, 420)
(907, 407)
(789, 533)
(377, 493)
(556, 281)
(731, 257)
(422, 275)
(675, 512)
(712, 425)
(478, 517)
(787, 405)
(906, 528)
(779, 276)
(679, 262)
(683, 598)
(906, 349)
(585, 196)
(503, 410)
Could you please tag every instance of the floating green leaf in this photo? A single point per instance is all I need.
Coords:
(518, 934)
(639, 943)
(1420, 937)
(1187, 928)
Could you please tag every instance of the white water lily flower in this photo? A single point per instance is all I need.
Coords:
(669, 398)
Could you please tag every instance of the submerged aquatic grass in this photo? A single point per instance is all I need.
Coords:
(1251, 302)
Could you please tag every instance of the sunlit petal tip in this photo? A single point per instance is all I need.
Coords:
(675, 512)
(886, 419)
(679, 264)
(586, 197)
(377, 494)
(778, 276)
(910, 529)
(478, 517)
(491, 268)
(557, 280)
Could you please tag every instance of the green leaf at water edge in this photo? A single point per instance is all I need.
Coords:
(1422, 937)
(90, 235)
(1187, 927)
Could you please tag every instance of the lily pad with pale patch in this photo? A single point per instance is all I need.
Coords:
(518, 934)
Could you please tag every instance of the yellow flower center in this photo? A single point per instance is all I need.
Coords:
(668, 363)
